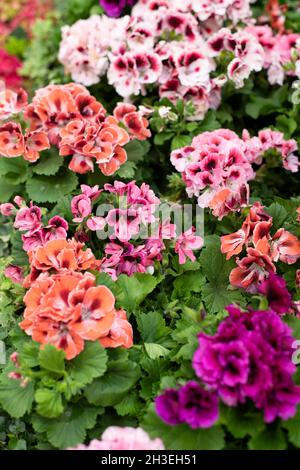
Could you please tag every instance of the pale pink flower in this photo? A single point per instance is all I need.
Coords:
(117, 438)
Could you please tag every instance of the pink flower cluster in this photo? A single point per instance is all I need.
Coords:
(165, 43)
(9, 69)
(250, 359)
(117, 438)
(28, 219)
(217, 166)
(131, 222)
(279, 50)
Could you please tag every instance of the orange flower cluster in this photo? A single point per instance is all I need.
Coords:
(263, 249)
(64, 307)
(68, 117)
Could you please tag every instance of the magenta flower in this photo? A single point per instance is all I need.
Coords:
(168, 408)
(114, 8)
(198, 407)
(279, 298)
(249, 358)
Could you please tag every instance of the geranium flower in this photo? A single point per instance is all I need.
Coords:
(117, 438)
(66, 309)
(275, 290)
(186, 243)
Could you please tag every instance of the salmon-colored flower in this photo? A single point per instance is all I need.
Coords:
(120, 333)
(285, 247)
(251, 270)
(67, 308)
(233, 243)
(119, 157)
(136, 124)
(35, 142)
(11, 140)
(61, 254)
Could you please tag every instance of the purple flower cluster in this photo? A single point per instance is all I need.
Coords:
(191, 404)
(250, 358)
(114, 8)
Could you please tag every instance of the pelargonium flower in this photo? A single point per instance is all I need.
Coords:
(275, 290)
(114, 8)
(14, 273)
(262, 250)
(127, 438)
(250, 359)
(66, 309)
(186, 243)
(60, 255)
(9, 66)
(11, 102)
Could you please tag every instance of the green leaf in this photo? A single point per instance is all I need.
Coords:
(42, 188)
(20, 257)
(70, 428)
(216, 294)
(279, 214)
(130, 405)
(155, 350)
(16, 400)
(272, 438)
(136, 150)
(63, 208)
(104, 279)
(286, 124)
(293, 428)
(114, 384)
(261, 106)
(52, 359)
(48, 164)
(180, 141)
(7, 190)
(127, 171)
(49, 402)
(131, 291)
(91, 363)
(182, 437)
(188, 282)
(241, 422)
(14, 170)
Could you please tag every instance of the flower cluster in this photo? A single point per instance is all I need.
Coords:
(133, 225)
(190, 404)
(117, 438)
(28, 219)
(262, 249)
(249, 358)
(217, 166)
(67, 308)
(22, 14)
(64, 306)
(68, 117)
(9, 66)
(279, 50)
(164, 43)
